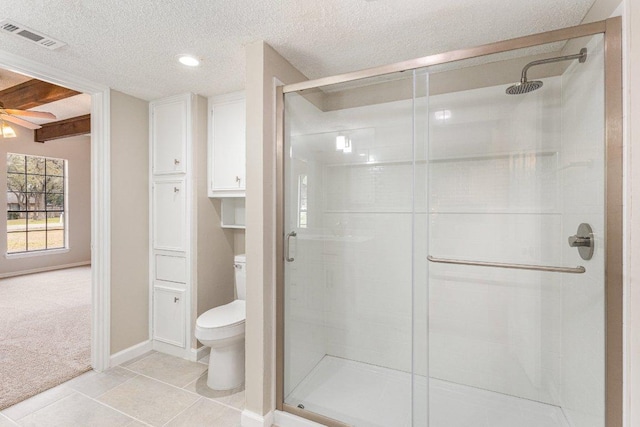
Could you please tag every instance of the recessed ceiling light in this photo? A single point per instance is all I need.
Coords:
(188, 60)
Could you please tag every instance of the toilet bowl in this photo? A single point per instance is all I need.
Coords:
(222, 329)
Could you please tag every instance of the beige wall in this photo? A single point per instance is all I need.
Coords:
(214, 283)
(264, 65)
(129, 221)
(77, 151)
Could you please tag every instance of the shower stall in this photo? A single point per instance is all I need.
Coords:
(450, 241)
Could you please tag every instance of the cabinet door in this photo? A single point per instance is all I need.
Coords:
(169, 215)
(228, 145)
(168, 315)
(169, 136)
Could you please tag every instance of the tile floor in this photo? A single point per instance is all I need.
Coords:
(371, 396)
(152, 390)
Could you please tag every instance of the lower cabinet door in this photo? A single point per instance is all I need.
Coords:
(168, 315)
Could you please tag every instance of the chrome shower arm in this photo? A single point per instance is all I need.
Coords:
(582, 56)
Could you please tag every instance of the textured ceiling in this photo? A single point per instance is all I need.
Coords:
(131, 46)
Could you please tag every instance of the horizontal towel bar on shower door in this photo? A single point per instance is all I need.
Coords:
(576, 270)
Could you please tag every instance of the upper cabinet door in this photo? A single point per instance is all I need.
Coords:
(227, 148)
(169, 128)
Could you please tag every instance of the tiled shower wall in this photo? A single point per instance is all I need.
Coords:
(495, 197)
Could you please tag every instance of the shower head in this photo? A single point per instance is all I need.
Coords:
(525, 86)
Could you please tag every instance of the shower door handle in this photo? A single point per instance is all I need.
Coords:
(288, 246)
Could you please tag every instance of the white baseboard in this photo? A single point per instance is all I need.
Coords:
(43, 269)
(285, 419)
(251, 419)
(172, 350)
(130, 353)
(199, 353)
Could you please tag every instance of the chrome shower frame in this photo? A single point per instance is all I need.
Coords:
(612, 31)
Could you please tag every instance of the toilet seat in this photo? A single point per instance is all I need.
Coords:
(222, 322)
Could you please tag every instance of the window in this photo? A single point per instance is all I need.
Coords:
(302, 201)
(35, 203)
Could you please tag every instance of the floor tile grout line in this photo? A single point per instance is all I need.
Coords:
(9, 420)
(183, 389)
(213, 398)
(45, 406)
(111, 407)
(178, 414)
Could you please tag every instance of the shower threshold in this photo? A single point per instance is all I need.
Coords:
(365, 395)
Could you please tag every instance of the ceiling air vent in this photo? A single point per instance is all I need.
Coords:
(19, 30)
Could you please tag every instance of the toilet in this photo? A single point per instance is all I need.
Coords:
(222, 329)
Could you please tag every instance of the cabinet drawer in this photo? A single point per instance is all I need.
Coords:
(168, 315)
(171, 268)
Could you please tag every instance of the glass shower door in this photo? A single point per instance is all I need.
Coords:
(351, 171)
(513, 340)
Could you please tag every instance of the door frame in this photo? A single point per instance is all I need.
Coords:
(612, 30)
(100, 194)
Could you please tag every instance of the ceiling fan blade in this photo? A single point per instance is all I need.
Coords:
(18, 121)
(34, 114)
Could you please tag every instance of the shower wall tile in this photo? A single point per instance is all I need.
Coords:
(495, 196)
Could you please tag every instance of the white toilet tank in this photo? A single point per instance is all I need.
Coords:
(240, 264)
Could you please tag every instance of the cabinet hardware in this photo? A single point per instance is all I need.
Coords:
(176, 299)
(176, 161)
(176, 190)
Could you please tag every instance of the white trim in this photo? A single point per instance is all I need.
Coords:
(199, 353)
(285, 419)
(130, 353)
(100, 193)
(29, 254)
(251, 419)
(172, 350)
(43, 269)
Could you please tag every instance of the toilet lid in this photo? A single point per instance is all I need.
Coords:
(225, 315)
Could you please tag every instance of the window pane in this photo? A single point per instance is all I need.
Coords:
(35, 183)
(16, 202)
(55, 184)
(55, 202)
(15, 163)
(55, 167)
(36, 221)
(36, 203)
(16, 182)
(16, 241)
(35, 165)
(55, 237)
(36, 240)
(16, 221)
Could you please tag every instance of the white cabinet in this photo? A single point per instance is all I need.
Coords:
(169, 133)
(177, 139)
(169, 319)
(227, 123)
(169, 212)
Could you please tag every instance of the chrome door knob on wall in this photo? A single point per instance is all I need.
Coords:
(583, 240)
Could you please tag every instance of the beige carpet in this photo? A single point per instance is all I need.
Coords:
(45, 331)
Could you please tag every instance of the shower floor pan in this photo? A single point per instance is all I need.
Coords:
(364, 395)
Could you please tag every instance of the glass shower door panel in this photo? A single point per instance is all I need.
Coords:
(511, 178)
(349, 218)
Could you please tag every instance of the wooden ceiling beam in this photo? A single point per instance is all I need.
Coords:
(33, 93)
(74, 126)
